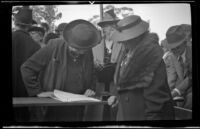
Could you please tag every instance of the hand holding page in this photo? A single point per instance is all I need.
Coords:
(70, 97)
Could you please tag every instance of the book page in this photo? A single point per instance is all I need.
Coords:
(70, 97)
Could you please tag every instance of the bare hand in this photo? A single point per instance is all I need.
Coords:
(113, 101)
(45, 94)
(89, 92)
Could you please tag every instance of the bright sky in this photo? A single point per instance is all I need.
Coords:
(161, 16)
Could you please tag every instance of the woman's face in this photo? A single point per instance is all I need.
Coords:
(37, 36)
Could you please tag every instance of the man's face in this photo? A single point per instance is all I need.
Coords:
(108, 30)
(179, 49)
(37, 36)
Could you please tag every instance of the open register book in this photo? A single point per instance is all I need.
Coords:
(70, 97)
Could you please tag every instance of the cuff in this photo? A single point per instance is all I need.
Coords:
(179, 93)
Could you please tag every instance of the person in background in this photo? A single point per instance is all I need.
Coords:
(46, 27)
(180, 65)
(37, 33)
(140, 76)
(65, 64)
(50, 36)
(105, 57)
(23, 46)
(60, 28)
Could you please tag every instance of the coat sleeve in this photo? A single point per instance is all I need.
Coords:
(157, 97)
(31, 69)
(171, 71)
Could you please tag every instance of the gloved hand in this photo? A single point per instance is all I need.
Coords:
(113, 101)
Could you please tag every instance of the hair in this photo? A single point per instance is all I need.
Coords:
(45, 25)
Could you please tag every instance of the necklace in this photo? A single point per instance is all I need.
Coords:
(74, 56)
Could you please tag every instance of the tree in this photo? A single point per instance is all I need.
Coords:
(120, 12)
(43, 13)
(46, 13)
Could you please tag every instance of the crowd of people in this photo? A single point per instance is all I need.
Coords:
(143, 79)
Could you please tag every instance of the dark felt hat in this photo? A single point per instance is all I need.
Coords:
(175, 36)
(109, 17)
(24, 16)
(81, 34)
(38, 29)
(129, 28)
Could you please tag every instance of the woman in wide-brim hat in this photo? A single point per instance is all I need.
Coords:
(140, 74)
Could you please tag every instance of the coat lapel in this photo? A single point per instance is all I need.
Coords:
(188, 61)
(178, 68)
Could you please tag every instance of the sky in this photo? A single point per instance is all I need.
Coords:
(161, 16)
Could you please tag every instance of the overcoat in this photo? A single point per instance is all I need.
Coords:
(142, 86)
(47, 70)
(23, 46)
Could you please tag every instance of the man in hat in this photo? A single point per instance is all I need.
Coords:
(180, 65)
(23, 46)
(37, 33)
(140, 76)
(106, 55)
(65, 64)
(60, 28)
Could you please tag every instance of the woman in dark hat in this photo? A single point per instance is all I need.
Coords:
(37, 33)
(23, 46)
(140, 76)
(65, 64)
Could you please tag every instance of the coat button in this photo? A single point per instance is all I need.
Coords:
(127, 99)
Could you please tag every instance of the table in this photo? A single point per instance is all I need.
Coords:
(36, 101)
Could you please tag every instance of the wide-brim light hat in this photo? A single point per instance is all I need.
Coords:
(109, 17)
(129, 28)
(175, 36)
(81, 34)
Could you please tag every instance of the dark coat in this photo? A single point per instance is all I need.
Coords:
(47, 70)
(143, 90)
(23, 46)
(50, 63)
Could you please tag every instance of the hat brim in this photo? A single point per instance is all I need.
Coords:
(38, 29)
(103, 23)
(67, 33)
(32, 23)
(130, 33)
(174, 45)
